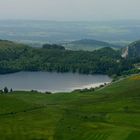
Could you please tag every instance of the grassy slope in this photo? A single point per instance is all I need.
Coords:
(4, 44)
(112, 113)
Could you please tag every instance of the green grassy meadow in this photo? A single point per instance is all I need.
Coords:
(111, 113)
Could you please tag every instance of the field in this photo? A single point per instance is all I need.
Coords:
(111, 113)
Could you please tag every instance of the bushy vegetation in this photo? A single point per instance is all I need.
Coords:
(53, 46)
(18, 57)
(134, 49)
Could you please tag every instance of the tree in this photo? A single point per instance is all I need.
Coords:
(11, 90)
(6, 90)
(1, 91)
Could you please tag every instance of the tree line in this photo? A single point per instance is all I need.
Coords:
(6, 90)
(49, 58)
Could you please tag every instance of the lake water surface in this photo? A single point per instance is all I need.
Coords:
(53, 82)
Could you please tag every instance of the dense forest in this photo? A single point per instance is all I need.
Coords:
(19, 57)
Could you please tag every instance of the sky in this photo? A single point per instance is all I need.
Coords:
(70, 10)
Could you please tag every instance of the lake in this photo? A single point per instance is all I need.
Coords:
(51, 81)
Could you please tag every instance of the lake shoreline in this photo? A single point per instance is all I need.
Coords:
(52, 81)
(56, 72)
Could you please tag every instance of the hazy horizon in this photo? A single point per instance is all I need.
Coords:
(49, 20)
(74, 10)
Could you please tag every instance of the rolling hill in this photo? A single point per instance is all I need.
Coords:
(110, 113)
(88, 44)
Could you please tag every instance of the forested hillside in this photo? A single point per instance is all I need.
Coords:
(134, 49)
(19, 57)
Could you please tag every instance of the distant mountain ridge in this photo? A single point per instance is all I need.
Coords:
(89, 44)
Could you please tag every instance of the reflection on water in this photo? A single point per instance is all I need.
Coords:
(54, 82)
